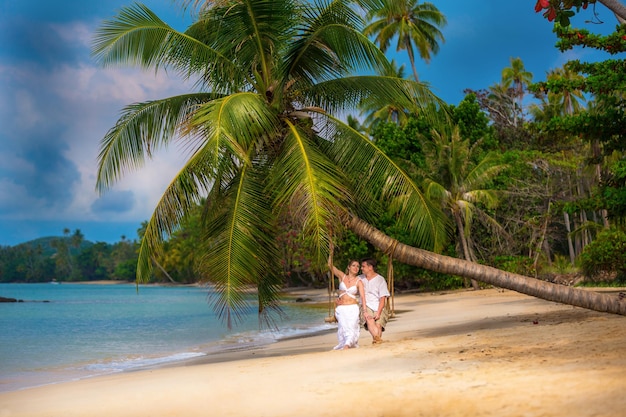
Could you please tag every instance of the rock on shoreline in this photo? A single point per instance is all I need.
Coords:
(10, 300)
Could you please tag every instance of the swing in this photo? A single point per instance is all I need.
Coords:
(391, 308)
(390, 301)
(331, 305)
(331, 289)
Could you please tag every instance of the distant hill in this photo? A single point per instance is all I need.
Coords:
(48, 250)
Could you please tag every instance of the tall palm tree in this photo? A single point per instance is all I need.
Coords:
(570, 99)
(77, 239)
(458, 183)
(260, 133)
(261, 138)
(518, 78)
(415, 25)
(548, 107)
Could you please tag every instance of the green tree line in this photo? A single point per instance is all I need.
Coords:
(68, 258)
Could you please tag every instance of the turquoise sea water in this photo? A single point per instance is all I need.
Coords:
(71, 331)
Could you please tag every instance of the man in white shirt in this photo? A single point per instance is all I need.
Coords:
(376, 293)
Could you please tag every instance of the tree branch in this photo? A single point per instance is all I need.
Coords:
(616, 7)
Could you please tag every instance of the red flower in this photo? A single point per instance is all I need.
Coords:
(580, 35)
(541, 4)
(585, 4)
(551, 14)
(624, 37)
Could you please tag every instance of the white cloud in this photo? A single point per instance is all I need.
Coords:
(77, 33)
(82, 102)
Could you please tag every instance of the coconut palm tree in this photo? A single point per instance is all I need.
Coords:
(518, 78)
(260, 133)
(604, 302)
(262, 139)
(454, 179)
(571, 100)
(568, 100)
(415, 25)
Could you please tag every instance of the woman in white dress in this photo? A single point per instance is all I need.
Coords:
(348, 308)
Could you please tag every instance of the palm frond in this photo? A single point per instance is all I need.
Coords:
(224, 129)
(230, 130)
(195, 180)
(243, 254)
(374, 174)
(378, 91)
(238, 121)
(141, 130)
(435, 191)
(488, 198)
(310, 186)
(331, 43)
(485, 171)
(137, 36)
(253, 33)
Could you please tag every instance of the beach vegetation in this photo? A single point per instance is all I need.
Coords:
(262, 133)
(605, 257)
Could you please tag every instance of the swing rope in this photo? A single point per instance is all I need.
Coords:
(331, 287)
(390, 251)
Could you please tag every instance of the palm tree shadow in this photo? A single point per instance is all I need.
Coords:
(553, 318)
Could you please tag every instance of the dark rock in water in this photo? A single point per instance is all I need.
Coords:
(17, 300)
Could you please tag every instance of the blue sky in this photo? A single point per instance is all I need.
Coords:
(56, 103)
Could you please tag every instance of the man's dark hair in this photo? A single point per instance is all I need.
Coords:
(370, 261)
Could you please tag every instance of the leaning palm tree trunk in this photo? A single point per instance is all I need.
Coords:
(608, 303)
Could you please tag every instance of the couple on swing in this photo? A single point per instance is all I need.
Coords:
(368, 292)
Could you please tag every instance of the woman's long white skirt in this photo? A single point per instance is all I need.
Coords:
(348, 325)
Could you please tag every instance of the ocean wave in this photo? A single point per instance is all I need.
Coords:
(141, 362)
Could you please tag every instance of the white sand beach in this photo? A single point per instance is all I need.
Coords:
(485, 353)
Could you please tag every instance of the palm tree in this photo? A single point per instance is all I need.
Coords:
(518, 78)
(356, 124)
(262, 139)
(389, 112)
(63, 256)
(260, 133)
(603, 302)
(77, 239)
(570, 99)
(457, 183)
(415, 25)
(548, 107)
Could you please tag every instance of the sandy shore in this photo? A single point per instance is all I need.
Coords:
(485, 353)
